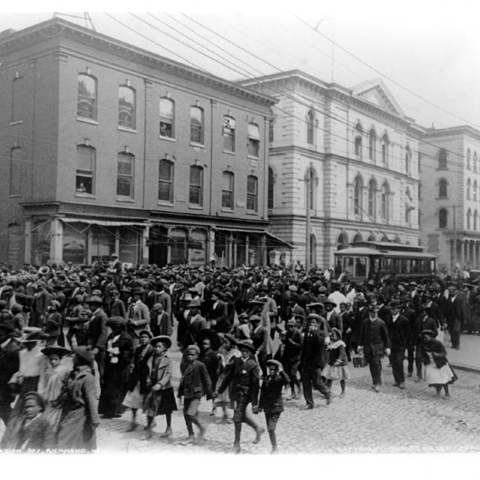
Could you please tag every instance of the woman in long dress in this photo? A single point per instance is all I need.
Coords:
(51, 381)
(437, 371)
(79, 417)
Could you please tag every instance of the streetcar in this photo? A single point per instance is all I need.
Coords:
(374, 260)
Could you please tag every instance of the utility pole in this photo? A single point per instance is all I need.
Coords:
(454, 237)
(307, 220)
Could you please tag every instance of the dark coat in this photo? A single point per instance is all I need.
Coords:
(140, 369)
(195, 382)
(399, 332)
(437, 349)
(260, 339)
(271, 400)
(97, 330)
(374, 337)
(9, 364)
(245, 381)
(455, 311)
(314, 353)
(219, 314)
(293, 346)
(424, 323)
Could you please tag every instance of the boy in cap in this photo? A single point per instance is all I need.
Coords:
(243, 375)
(194, 384)
(271, 401)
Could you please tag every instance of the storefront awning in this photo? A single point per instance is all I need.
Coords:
(272, 240)
(105, 223)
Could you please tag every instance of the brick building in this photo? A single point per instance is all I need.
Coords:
(110, 148)
(354, 151)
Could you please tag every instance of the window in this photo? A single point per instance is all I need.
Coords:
(442, 159)
(227, 190)
(475, 166)
(475, 221)
(196, 186)
(167, 118)
(229, 126)
(358, 141)
(16, 171)
(357, 196)
(408, 160)
(87, 97)
(469, 219)
(372, 144)
(310, 127)
(125, 175)
(469, 189)
(442, 218)
(442, 188)
(17, 99)
(252, 193)
(85, 172)
(271, 129)
(469, 154)
(312, 188)
(196, 125)
(408, 214)
(372, 189)
(165, 181)
(253, 140)
(127, 107)
(271, 191)
(475, 186)
(385, 150)
(385, 195)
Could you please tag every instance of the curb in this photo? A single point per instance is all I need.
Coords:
(465, 368)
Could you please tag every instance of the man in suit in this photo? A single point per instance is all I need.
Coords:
(375, 343)
(9, 364)
(260, 339)
(97, 331)
(163, 297)
(217, 315)
(313, 359)
(138, 315)
(399, 332)
(455, 314)
(196, 323)
(40, 305)
(333, 318)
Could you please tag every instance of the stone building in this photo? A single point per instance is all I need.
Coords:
(108, 148)
(354, 152)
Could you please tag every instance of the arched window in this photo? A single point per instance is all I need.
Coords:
(475, 164)
(372, 192)
(475, 186)
(408, 160)
(196, 125)
(229, 127)
(342, 241)
(167, 118)
(85, 170)
(18, 99)
(253, 140)
(16, 171)
(469, 189)
(371, 238)
(385, 239)
(385, 150)
(357, 238)
(469, 154)
(271, 190)
(372, 144)
(475, 221)
(358, 141)
(442, 218)
(165, 181)
(228, 184)
(384, 195)
(469, 219)
(196, 186)
(126, 165)
(87, 97)
(252, 193)
(442, 159)
(442, 188)
(357, 196)
(310, 127)
(126, 107)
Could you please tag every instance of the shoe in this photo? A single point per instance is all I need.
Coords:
(133, 427)
(274, 450)
(329, 399)
(374, 387)
(229, 421)
(396, 384)
(418, 379)
(307, 407)
(148, 435)
(236, 448)
(152, 426)
(409, 375)
(377, 388)
(189, 441)
(342, 395)
(447, 395)
(107, 416)
(401, 386)
(260, 432)
(201, 435)
(168, 433)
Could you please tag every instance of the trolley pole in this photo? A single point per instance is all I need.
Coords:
(454, 237)
(307, 222)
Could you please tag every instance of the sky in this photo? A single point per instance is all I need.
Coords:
(426, 52)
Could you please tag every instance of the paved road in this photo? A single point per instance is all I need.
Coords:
(413, 420)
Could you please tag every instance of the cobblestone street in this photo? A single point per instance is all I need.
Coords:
(412, 420)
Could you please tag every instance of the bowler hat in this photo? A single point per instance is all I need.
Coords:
(94, 299)
(162, 338)
(230, 338)
(274, 363)
(195, 303)
(56, 350)
(255, 318)
(145, 332)
(246, 344)
(427, 332)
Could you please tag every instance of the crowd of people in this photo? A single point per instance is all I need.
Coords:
(81, 343)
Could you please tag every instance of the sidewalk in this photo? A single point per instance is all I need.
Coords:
(468, 357)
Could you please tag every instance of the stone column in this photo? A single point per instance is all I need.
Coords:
(145, 247)
(56, 243)
(28, 240)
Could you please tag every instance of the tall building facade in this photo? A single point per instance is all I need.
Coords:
(450, 196)
(351, 155)
(108, 148)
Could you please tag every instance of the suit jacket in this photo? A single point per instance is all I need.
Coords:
(260, 339)
(219, 314)
(244, 378)
(97, 330)
(163, 374)
(455, 310)
(335, 321)
(9, 364)
(399, 332)
(165, 299)
(140, 369)
(271, 400)
(314, 353)
(195, 381)
(374, 337)
(138, 318)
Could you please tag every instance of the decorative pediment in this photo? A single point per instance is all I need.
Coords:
(377, 93)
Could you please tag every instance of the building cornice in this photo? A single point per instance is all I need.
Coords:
(452, 131)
